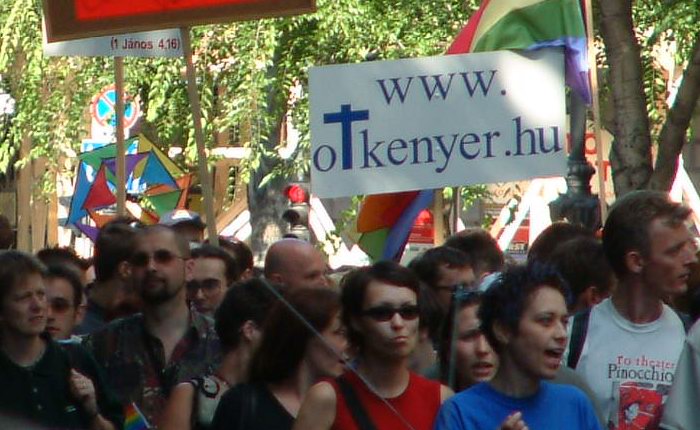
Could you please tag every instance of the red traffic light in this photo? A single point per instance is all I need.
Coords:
(297, 194)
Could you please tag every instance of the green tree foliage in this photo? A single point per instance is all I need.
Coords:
(246, 73)
(632, 32)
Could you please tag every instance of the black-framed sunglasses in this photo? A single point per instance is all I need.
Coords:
(386, 313)
(160, 256)
(206, 285)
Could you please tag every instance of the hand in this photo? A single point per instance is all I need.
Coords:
(514, 422)
(84, 390)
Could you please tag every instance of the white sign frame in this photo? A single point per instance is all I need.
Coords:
(145, 44)
(432, 122)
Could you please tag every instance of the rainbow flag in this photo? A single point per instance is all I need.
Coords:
(385, 220)
(134, 419)
(531, 25)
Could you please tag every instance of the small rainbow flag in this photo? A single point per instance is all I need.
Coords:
(134, 419)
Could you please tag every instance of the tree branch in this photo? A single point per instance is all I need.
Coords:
(674, 132)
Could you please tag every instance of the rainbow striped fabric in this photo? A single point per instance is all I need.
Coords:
(134, 419)
(531, 25)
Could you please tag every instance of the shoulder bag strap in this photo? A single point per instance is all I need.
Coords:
(578, 337)
(362, 419)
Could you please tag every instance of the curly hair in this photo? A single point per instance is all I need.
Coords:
(506, 300)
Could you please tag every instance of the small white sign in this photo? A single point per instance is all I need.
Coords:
(161, 43)
(431, 122)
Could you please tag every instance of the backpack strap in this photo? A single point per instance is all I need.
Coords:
(685, 319)
(358, 412)
(579, 329)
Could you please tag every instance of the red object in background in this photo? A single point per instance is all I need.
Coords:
(297, 194)
(423, 230)
(100, 9)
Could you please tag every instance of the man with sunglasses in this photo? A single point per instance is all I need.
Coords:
(213, 271)
(146, 355)
(64, 293)
(380, 310)
(442, 269)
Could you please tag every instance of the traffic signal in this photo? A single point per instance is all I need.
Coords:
(297, 213)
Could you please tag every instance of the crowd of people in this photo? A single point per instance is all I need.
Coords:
(164, 330)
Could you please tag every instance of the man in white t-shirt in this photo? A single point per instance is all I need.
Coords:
(628, 346)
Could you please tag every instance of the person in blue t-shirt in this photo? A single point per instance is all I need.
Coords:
(524, 318)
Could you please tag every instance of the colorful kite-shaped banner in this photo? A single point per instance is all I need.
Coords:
(151, 175)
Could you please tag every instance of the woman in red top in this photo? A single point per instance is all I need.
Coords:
(380, 311)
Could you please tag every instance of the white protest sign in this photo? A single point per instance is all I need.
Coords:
(425, 123)
(161, 43)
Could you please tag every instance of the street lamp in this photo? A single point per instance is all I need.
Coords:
(578, 205)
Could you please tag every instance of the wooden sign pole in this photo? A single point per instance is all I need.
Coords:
(121, 150)
(204, 175)
(596, 112)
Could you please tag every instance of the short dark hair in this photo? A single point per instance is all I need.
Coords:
(554, 235)
(181, 241)
(233, 272)
(582, 264)
(431, 313)
(245, 301)
(354, 287)
(628, 222)
(115, 244)
(460, 301)
(482, 249)
(15, 267)
(69, 275)
(427, 265)
(285, 337)
(509, 295)
(240, 251)
(59, 256)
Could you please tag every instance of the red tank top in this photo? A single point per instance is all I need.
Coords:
(418, 404)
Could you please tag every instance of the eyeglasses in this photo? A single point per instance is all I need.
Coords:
(59, 305)
(160, 256)
(467, 295)
(386, 313)
(206, 285)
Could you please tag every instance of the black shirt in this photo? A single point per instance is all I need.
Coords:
(41, 393)
(251, 407)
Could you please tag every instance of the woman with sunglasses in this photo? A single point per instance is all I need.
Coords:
(524, 317)
(466, 357)
(380, 310)
(303, 341)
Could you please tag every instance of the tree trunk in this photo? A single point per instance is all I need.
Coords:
(630, 156)
(267, 203)
(673, 134)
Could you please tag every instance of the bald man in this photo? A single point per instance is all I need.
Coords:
(295, 263)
